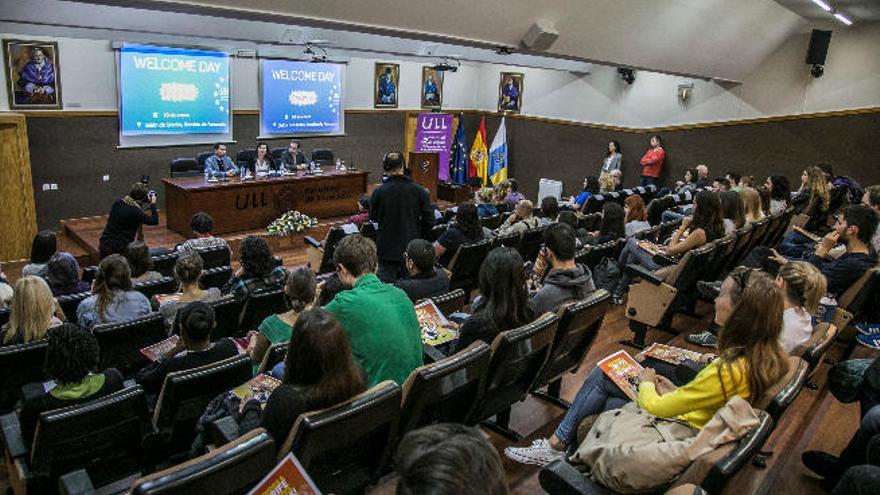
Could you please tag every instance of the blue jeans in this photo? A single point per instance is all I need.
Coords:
(796, 246)
(632, 253)
(648, 181)
(669, 216)
(597, 394)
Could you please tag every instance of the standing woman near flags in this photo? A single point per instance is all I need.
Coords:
(652, 162)
(613, 158)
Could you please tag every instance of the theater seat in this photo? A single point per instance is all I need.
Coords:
(212, 258)
(185, 167)
(320, 254)
(345, 448)
(19, 365)
(70, 302)
(450, 302)
(465, 265)
(201, 157)
(226, 314)
(215, 277)
(121, 343)
(277, 153)
(491, 222)
(258, 306)
(322, 157)
(530, 243)
(104, 437)
(164, 263)
(274, 355)
(164, 285)
(234, 468)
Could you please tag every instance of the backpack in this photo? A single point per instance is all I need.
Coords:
(853, 190)
(606, 274)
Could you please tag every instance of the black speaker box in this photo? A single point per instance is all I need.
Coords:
(818, 49)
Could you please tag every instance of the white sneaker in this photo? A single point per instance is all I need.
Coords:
(540, 453)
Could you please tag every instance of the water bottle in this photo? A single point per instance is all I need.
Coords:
(312, 167)
(338, 164)
(207, 174)
(243, 172)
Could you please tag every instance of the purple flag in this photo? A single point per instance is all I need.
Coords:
(434, 135)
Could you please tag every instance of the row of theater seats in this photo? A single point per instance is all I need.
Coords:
(344, 448)
(193, 167)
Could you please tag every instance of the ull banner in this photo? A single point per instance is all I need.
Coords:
(434, 135)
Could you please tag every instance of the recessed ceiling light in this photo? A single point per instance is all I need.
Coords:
(842, 18)
(823, 5)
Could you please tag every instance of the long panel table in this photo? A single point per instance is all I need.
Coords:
(237, 205)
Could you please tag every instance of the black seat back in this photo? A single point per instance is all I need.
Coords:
(530, 243)
(164, 285)
(368, 230)
(202, 157)
(277, 153)
(345, 447)
(741, 245)
(212, 258)
(234, 468)
(164, 263)
(226, 314)
(322, 156)
(70, 302)
(491, 222)
(215, 277)
(20, 364)
(465, 265)
(185, 167)
(444, 391)
(103, 436)
(334, 235)
(5, 313)
(451, 302)
(185, 395)
(506, 240)
(274, 355)
(435, 232)
(121, 343)
(590, 222)
(260, 305)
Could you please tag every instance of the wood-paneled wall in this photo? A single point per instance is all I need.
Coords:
(18, 219)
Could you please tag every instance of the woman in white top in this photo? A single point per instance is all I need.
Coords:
(612, 158)
(263, 163)
(804, 285)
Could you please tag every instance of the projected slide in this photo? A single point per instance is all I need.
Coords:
(300, 98)
(173, 91)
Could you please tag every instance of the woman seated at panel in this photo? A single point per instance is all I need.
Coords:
(42, 248)
(187, 272)
(466, 229)
(112, 299)
(34, 312)
(141, 264)
(263, 164)
(299, 295)
(257, 272)
(504, 302)
(520, 220)
(750, 361)
(704, 226)
(72, 363)
(63, 275)
(636, 217)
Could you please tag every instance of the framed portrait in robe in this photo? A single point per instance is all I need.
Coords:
(510, 91)
(33, 74)
(432, 87)
(386, 85)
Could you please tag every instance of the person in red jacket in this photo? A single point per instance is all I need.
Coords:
(652, 162)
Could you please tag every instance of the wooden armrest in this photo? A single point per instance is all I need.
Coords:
(76, 483)
(13, 441)
(561, 478)
(638, 271)
(223, 431)
(311, 241)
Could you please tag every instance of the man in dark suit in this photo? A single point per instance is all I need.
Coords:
(293, 158)
(403, 211)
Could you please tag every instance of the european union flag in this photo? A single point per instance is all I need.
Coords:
(459, 160)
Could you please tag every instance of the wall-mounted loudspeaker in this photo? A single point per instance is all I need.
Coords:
(818, 49)
(540, 36)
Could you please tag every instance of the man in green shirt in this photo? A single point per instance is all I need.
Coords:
(379, 318)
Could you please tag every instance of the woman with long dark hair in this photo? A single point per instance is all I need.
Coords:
(733, 211)
(613, 157)
(112, 300)
(141, 264)
(42, 248)
(504, 302)
(780, 193)
(263, 162)
(127, 215)
(466, 230)
(613, 224)
(257, 271)
(299, 295)
(591, 187)
(63, 275)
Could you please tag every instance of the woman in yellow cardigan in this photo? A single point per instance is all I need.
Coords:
(750, 361)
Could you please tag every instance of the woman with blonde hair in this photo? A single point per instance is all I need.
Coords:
(606, 183)
(813, 198)
(804, 285)
(752, 202)
(484, 198)
(34, 312)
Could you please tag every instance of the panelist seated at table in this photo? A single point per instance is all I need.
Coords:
(294, 158)
(219, 164)
(262, 164)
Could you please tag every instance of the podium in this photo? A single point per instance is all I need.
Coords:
(423, 167)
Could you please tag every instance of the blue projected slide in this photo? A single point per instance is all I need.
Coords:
(173, 91)
(300, 98)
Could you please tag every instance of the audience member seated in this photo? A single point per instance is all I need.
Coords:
(127, 215)
(299, 294)
(606, 183)
(112, 299)
(42, 248)
(704, 226)
(448, 459)
(750, 361)
(570, 218)
(813, 199)
(702, 180)
(141, 264)
(363, 214)
(686, 184)
(257, 272)
(193, 349)
(566, 280)
(549, 210)
(733, 178)
(636, 217)
(780, 193)
(871, 198)
(63, 275)
(612, 226)
(465, 230)
(803, 286)
(379, 319)
(72, 364)
(263, 163)
(504, 301)
(6, 294)
(720, 185)
(328, 289)
(319, 371)
(617, 178)
(485, 207)
(34, 312)
(520, 220)
(513, 195)
(425, 279)
(733, 211)
(187, 271)
(752, 203)
(591, 187)
(202, 224)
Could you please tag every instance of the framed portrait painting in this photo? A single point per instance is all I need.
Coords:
(33, 74)
(432, 87)
(510, 91)
(386, 85)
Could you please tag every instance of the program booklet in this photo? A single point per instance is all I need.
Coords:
(258, 387)
(624, 371)
(287, 478)
(164, 298)
(433, 324)
(155, 351)
(670, 354)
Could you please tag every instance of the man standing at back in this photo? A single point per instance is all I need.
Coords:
(379, 319)
(403, 211)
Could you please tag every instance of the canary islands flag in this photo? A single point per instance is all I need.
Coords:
(459, 161)
(479, 160)
(498, 155)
